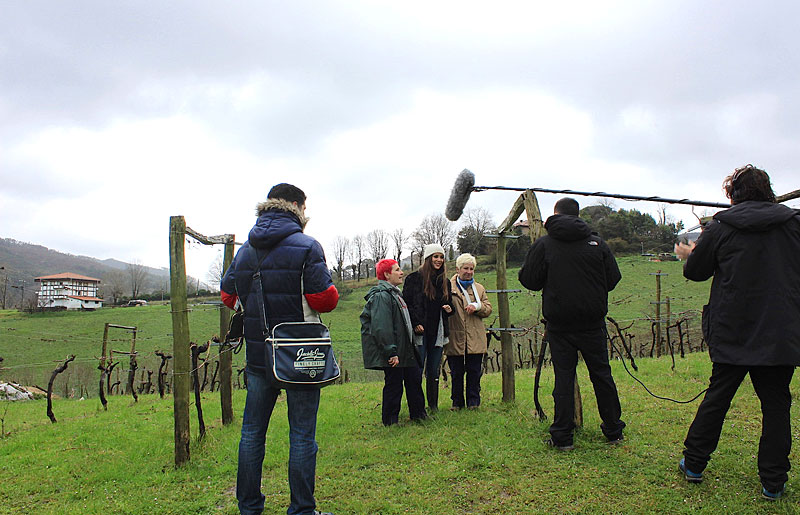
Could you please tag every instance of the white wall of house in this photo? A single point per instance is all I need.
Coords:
(69, 293)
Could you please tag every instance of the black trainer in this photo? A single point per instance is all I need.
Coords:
(558, 447)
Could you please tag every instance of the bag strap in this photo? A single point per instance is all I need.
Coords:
(258, 289)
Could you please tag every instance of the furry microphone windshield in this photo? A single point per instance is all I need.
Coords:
(459, 195)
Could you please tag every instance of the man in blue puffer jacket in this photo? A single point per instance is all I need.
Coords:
(297, 287)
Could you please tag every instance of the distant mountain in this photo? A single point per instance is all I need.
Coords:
(23, 262)
(115, 263)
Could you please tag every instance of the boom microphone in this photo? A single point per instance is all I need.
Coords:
(459, 195)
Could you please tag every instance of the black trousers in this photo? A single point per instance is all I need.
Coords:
(564, 347)
(394, 378)
(472, 364)
(772, 387)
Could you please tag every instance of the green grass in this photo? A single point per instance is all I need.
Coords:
(486, 461)
(30, 343)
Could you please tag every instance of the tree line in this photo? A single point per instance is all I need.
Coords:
(354, 257)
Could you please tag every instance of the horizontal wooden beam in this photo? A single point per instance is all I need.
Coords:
(211, 240)
(513, 215)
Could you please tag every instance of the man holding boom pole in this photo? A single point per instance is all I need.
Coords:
(751, 322)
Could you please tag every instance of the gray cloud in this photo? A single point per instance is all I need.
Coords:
(683, 90)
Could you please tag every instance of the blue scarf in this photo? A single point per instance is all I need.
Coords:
(465, 284)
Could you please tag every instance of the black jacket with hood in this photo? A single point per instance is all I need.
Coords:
(753, 314)
(575, 270)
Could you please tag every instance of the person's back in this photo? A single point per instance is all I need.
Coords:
(297, 285)
(753, 253)
(581, 272)
(575, 270)
(294, 276)
(751, 322)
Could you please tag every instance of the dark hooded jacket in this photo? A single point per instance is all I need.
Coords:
(753, 314)
(384, 332)
(575, 270)
(294, 276)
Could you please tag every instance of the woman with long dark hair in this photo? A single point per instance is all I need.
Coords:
(427, 293)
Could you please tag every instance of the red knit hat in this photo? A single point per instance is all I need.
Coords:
(383, 267)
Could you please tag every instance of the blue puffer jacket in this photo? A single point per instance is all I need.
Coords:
(294, 276)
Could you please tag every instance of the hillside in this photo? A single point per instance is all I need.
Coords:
(23, 262)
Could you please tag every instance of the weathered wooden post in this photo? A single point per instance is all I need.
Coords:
(225, 357)
(105, 346)
(509, 392)
(658, 302)
(180, 337)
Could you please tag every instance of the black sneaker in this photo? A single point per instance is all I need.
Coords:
(688, 475)
(772, 496)
(549, 442)
(616, 441)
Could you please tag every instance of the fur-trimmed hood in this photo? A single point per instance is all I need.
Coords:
(282, 205)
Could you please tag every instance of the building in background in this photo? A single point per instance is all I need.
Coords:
(68, 291)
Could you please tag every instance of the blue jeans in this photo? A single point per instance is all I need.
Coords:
(302, 408)
(431, 359)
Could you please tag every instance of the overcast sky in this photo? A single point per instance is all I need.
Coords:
(116, 115)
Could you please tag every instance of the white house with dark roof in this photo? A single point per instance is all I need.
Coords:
(68, 291)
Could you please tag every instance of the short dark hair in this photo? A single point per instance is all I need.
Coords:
(748, 183)
(288, 192)
(567, 206)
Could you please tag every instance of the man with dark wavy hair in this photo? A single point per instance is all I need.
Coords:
(751, 322)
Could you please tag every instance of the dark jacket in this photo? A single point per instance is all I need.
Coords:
(294, 276)
(753, 314)
(425, 311)
(575, 270)
(383, 330)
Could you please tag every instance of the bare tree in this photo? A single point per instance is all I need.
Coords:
(378, 245)
(357, 254)
(341, 248)
(434, 229)
(400, 239)
(477, 222)
(138, 277)
(662, 214)
(114, 284)
(215, 271)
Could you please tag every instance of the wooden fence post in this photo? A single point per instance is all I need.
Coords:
(180, 337)
(225, 357)
(505, 322)
(105, 346)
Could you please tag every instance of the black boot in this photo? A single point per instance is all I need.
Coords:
(432, 393)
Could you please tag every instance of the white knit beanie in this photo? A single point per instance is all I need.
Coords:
(430, 249)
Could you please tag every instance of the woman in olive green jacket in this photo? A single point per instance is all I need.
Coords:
(386, 344)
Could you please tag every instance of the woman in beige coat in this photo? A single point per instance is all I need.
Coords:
(467, 345)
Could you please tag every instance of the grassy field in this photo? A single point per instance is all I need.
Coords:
(30, 343)
(488, 461)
